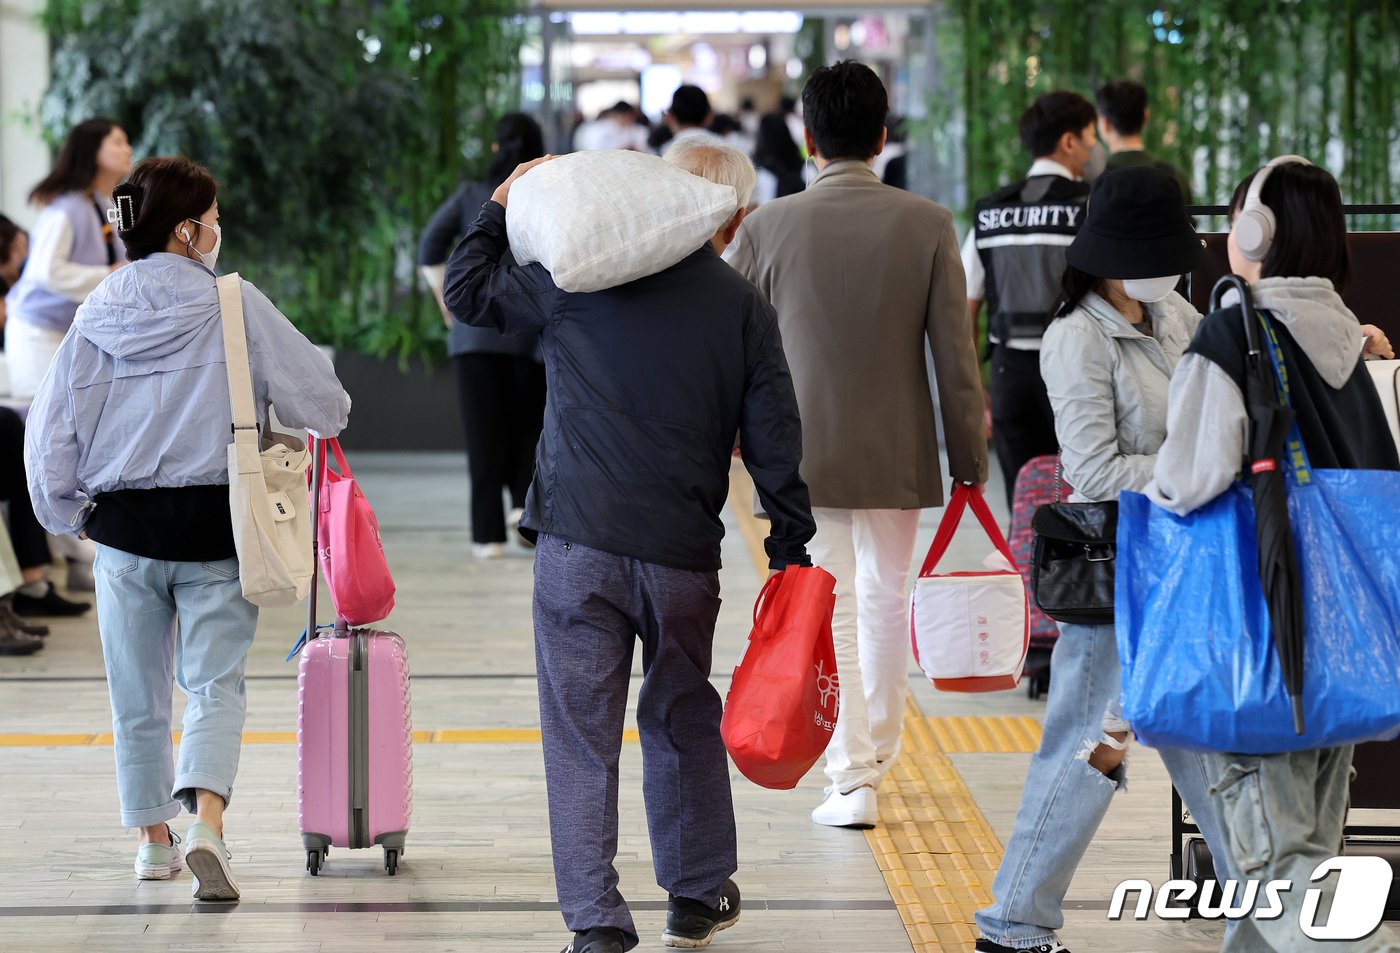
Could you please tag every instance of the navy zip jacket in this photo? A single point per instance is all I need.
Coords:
(648, 384)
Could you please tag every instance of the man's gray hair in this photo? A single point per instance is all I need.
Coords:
(717, 162)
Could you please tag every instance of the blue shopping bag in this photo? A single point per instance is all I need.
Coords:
(1199, 666)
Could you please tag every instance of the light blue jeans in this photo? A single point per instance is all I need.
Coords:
(164, 622)
(1065, 799)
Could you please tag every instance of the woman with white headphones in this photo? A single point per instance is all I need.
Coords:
(1283, 814)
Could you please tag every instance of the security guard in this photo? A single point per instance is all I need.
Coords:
(1014, 258)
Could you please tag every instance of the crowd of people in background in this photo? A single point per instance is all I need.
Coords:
(772, 140)
(831, 288)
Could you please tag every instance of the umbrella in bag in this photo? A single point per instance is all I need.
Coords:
(1270, 423)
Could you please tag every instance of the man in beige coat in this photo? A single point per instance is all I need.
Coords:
(861, 274)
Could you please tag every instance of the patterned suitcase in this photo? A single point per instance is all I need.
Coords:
(354, 739)
(1035, 484)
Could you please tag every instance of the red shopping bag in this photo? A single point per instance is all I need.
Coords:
(351, 553)
(783, 701)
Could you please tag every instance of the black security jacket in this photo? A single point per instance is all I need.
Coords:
(648, 384)
(1023, 234)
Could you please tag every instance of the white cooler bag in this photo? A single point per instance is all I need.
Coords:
(970, 630)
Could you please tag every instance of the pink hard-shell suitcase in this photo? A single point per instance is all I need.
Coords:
(354, 737)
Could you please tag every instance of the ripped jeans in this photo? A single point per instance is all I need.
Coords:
(1065, 799)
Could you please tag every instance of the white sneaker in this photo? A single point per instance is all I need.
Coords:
(207, 858)
(158, 861)
(489, 550)
(857, 809)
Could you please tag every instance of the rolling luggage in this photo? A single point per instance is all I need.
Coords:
(1035, 485)
(354, 736)
(1375, 787)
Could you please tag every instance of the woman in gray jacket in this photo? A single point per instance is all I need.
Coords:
(127, 445)
(1107, 360)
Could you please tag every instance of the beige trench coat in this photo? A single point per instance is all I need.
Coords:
(861, 274)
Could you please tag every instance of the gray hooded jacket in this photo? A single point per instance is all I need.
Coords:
(137, 396)
(1207, 425)
(1108, 384)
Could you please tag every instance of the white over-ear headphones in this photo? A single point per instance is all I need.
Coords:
(1254, 224)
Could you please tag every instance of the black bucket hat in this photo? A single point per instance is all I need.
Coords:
(1136, 226)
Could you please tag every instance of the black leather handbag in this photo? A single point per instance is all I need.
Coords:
(1072, 560)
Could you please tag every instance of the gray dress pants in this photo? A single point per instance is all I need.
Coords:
(589, 608)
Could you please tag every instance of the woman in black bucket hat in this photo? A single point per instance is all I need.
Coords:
(1106, 359)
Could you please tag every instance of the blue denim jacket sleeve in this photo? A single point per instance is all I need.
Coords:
(51, 452)
(289, 372)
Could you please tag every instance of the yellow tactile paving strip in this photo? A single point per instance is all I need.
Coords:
(986, 734)
(936, 850)
(970, 735)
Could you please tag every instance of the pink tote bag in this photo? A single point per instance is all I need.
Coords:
(351, 553)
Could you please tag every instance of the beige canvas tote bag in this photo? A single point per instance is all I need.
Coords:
(266, 480)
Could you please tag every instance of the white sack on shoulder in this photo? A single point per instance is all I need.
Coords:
(596, 220)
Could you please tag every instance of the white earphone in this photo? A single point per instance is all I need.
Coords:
(1254, 225)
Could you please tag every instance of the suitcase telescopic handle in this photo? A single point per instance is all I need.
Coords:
(318, 456)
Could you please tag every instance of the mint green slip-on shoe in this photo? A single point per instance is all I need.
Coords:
(208, 858)
(157, 861)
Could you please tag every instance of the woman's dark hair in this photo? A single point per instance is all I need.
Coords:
(1310, 230)
(161, 193)
(775, 150)
(9, 231)
(1073, 287)
(518, 139)
(77, 163)
(844, 105)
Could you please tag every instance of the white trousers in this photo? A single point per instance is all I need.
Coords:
(869, 552)
(29, 350)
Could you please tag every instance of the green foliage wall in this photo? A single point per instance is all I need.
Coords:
(1230, 82)
(335, 127)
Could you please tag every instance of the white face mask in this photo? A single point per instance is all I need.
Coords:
(210, 257)
(1150, 289)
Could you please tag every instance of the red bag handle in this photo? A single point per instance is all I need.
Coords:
(963, 495)
(323, 467)
(772, 583)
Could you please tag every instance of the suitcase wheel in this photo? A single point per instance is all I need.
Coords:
(314, 859)
(391, 860)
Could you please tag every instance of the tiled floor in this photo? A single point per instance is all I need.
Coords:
(476, 876)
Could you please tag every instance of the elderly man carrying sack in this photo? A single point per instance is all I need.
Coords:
(649, 381)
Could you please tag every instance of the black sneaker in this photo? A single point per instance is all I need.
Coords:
(597, 940)
(985, 945)
(691, 924)
(50, 604)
